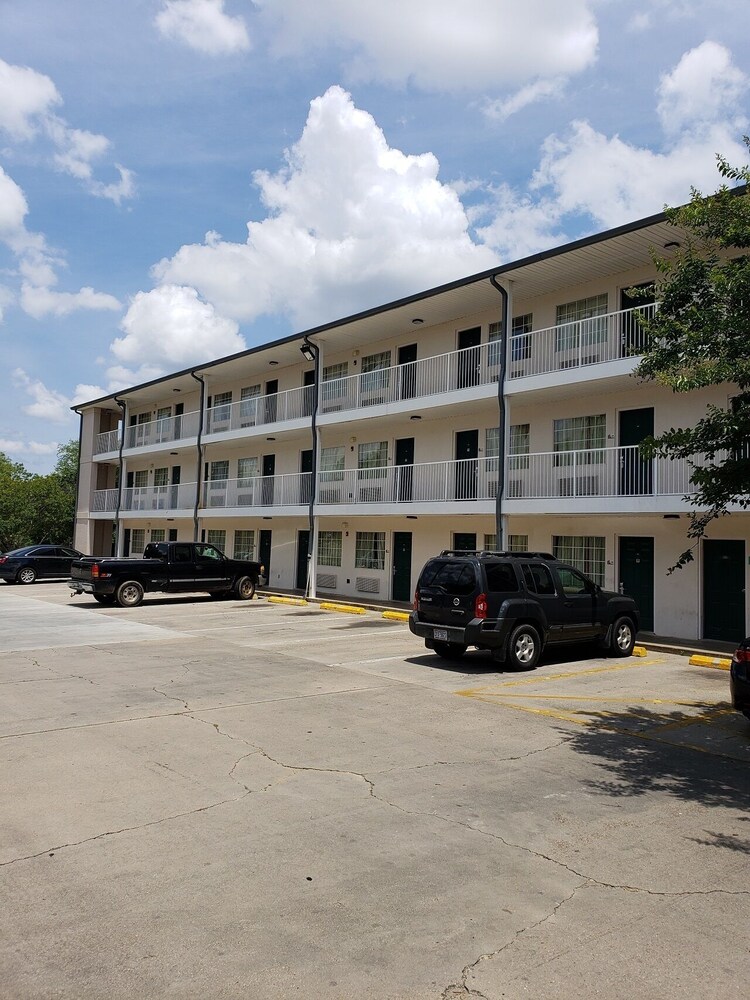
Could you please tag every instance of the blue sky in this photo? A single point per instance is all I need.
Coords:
(180, 179)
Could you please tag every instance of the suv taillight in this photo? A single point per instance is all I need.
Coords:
(3, 559)
(480, 606)
(742, 655)
(416, 599)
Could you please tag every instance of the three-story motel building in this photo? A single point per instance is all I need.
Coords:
(345, 456)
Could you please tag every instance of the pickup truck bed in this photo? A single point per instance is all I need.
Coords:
(171, 567)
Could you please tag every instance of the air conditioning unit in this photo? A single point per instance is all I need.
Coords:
(581, 486)
(332, 495)
(367, 585)
(217, 499)
(370, 494)
(326, 581)
(244, 499)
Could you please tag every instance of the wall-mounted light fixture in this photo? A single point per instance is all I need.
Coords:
(415, 416)
(270, 439)
(272, 363)
(176, 390)
(672, 245)
(417, 321)
(307, 352)
(174, 453)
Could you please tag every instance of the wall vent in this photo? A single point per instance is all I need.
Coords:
(326, 581)
(330, 496)
(368, 585)
(370, 494)
(581, 486)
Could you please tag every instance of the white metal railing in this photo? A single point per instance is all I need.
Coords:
(104, 500)
(441, 373)
(184, 425)
(595, 472)
(107, 441)
(578, 344)
(465, 479)
(258, 491)
(277, 407)
(178, 497)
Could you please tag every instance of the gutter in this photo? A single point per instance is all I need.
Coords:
(308, 347)
(123, 405)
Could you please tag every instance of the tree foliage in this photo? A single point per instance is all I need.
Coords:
(35, 509)
(700, 337)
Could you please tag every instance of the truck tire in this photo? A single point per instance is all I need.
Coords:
(129, 594)
(105, 598)
(623, 637)
(245, 588)
(524, 648)
(449, 650)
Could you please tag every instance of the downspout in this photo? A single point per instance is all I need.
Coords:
(123, 407)
(78, 476)
(199, 446)
(308, 347)
(503, 416)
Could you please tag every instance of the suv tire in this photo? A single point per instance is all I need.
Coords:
(449, 650)
(623, 637)
(524, 648)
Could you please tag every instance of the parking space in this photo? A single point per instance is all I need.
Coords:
(260, 800)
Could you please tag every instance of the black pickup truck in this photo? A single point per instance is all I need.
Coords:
(174, 567)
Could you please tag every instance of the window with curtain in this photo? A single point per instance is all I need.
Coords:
(375, 371)
(518, 543)
(217, 537)
(518, 457)
(137, 541)
(247, 470)
(332, 464)
(585, 435)
(585, 552)
(329, 548)
(244, 544)
(221, 409)
(373, 457)
(248, 404)
(581, 322)
(158, 535)
(369, 552)
(520, 344)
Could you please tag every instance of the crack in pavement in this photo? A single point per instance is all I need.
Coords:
(486, 760)
(459, 989)
(172, 697)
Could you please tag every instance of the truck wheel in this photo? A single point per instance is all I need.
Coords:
(26, 575)
(245, 588)
(105, 598)
(524, 648)
(129, 594)
(450, 650)
(623, 637)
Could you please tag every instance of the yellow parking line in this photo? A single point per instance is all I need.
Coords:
(539, 679)
(609, 701)
(396, 616)
(710, 661)
(349, 608)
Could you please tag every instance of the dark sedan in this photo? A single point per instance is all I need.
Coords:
(34, 562)
(739, 678)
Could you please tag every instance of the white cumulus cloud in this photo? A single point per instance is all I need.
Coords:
(351, 222)
(40, 301)
(48, 403)
(203, 25)
(704, 87)
(441, 45)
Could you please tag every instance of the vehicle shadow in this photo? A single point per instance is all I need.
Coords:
(154, 601)
(479, 661)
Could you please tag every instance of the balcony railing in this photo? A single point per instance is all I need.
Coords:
(165, 429)
(166, 498)
(442, 373)
(277, 407)
(258, 491)
(104, 500)
(107, 441)
(575, 345)
(595, 472)
(466, 479)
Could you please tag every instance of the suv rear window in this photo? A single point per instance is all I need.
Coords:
(501, 578)
(454, 578)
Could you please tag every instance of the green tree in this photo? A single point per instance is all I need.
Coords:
(35, 509)
(700, 337)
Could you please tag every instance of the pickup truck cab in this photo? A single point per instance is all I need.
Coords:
(171, 567)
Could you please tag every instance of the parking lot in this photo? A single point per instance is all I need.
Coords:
(222, 799)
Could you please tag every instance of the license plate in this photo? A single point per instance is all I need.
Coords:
(440, 633)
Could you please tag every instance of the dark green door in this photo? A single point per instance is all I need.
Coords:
(402, 566)
(407, 356)
(469, 358)
(467, 450)
(637, 575)
(404, 469)
(635, 472)
(264, 552)
(632, 336)
(724, 590)
(303, 550)
(305, 479)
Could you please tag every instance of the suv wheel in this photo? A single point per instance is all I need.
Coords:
(524, 648)
(449, 650)
(623, 638)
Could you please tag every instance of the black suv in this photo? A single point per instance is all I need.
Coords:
(514, 603)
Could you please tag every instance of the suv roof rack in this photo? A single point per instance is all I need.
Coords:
(489, 552)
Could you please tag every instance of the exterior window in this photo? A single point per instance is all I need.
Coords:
(140, 479)
(579, 324)
(518, 543)
(248, 405)
(492, 442)
(331, 372)
(244, 544)
(520, 344)
(219, 472)
(369, 552)
(222, 403)
(586, 435)
(161, 477)
(158, 535)
(495, 344)
(585, 552)
(332, 464)
(329, 548)
(334, 385)
(137, 540)
(247, 469)
(373, 457)
(519, 446)
(375, 371)
(490, 543)
(217, 537)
